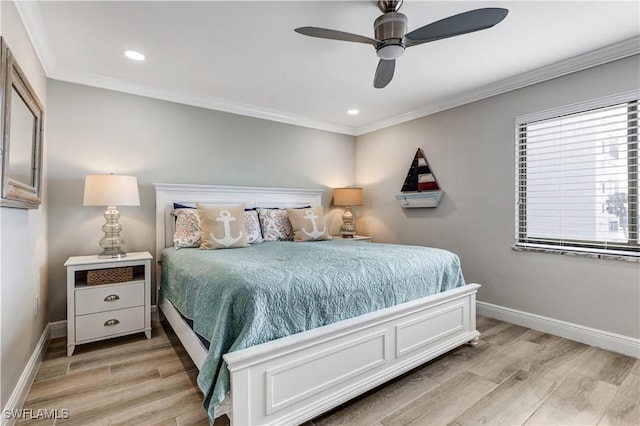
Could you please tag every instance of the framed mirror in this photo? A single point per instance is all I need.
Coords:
(21, 127)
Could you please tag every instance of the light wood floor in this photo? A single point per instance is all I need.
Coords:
(514, 376)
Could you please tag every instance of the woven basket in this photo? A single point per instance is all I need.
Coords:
(109, 276)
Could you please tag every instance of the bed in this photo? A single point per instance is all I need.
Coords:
(294, 378)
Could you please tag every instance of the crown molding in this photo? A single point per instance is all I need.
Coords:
(607, 54)
(29, 12)
(591, 59)
(208, 102)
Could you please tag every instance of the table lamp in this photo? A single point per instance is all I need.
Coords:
(111, 191)
(347, 197)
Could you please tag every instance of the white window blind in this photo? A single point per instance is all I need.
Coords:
(577, 177)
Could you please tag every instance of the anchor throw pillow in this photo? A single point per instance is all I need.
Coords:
(222, 226)
(308, 224)
(187, 227)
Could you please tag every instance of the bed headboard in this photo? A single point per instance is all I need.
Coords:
(251, 196)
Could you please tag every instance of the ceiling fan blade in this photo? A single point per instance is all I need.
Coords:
(336, 35)
(463, 23)
(384, 73)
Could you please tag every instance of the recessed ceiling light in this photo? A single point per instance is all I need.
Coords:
(133, 55)
(353, 112)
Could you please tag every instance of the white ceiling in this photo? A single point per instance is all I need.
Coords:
(244, 57)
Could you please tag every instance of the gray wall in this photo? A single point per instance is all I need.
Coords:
(94, 131)
(23, 246)
(471, 150)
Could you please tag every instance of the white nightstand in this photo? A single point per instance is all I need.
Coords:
(354, 238)
(103, 311)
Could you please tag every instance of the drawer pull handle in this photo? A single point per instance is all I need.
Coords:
(112, 298)
(111, 322)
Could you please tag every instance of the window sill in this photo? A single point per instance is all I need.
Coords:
(626, 256)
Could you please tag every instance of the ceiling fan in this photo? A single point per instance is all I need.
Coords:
(391, 37)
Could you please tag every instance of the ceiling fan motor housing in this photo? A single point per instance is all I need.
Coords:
(390, 28)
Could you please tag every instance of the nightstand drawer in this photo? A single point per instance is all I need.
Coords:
(109, 297)
(105, 324)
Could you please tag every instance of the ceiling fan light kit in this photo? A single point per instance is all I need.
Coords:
(391, 37)
(390, 51)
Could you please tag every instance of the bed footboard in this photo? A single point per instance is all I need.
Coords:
(292, 380)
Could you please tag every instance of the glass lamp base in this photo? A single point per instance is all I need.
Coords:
(112, 254)
(111, 243)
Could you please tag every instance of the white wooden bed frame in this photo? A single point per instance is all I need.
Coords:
(295, 378)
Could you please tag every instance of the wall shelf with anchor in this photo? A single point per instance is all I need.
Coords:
(420, 187)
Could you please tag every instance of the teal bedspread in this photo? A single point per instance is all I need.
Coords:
(246, 296)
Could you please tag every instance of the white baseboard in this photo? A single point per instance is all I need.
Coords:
(58, 329)
(603, 339)
(19, 394)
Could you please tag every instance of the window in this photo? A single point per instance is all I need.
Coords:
(577, 178)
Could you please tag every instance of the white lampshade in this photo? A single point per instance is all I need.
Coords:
(347, 196)
(111, 190)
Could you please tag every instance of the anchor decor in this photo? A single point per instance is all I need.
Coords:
(315, 233)
(420, 187)
(226, 218)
